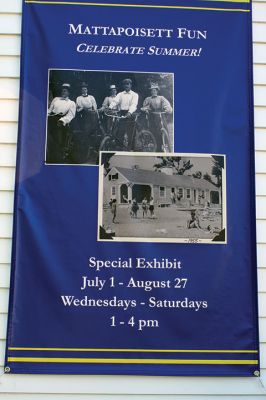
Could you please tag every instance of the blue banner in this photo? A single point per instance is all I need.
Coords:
(134, 237)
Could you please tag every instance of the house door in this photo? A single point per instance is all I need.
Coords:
(214, 195)
(123, 193)
(141, 191)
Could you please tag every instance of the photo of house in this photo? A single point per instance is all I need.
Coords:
(162, 197)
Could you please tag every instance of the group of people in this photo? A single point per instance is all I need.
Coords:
(146, 205)
(63, 111)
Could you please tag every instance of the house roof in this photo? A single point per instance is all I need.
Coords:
(143, 176)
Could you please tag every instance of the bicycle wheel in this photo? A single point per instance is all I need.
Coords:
(166, 148)
(145, 141)
(106, 144)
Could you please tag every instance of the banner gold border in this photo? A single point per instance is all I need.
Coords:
(144, 5)
(126, 361)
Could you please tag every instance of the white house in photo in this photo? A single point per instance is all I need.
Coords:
(126, 184)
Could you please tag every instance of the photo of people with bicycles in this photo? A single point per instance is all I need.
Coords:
(93, 111)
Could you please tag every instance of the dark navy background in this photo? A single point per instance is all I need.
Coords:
(55, 229)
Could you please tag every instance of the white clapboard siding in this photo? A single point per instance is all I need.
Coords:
(11, 6)
(259, 33)
(259, 53)
(6, 226)
(260, 207)
(3, 325)
(9, 110)
(260, 184)
(259, 12)
(9, 88)
(134, 385)
(5, 275)
(5, 250)
(9, 132)
(259, 95)
(260, 138)
(10, 23)
(59, 387)
(260, 117)
(7, 155)
(9, 45)
(6, 202)
(7, 178)
(261, 257)
(9, 66)
(259, 74)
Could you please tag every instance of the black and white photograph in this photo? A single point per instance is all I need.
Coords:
(162, 197)
(93, 111)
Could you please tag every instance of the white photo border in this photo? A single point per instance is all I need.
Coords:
(116, 239)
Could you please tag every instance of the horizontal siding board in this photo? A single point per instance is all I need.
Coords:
(259, 32)
(261, 255)
(3, 325)
(146, 385)
(259, 53)
(260, 184)
(6, 225)
(260, 95)
(9, 110)
(262, 329)
(11, 6)
(6, 202)
(8, 155)
(261, 279)
(261, 231)
(9, 67)
(261, 207)
(4, 296)
(7, 178)
(260, 117)
(8, 132)
(9, 45)
(10, 23)
(260, 139)
(259, 72)
(259, 12)
(4, 275)
(260, 159)
(9, 88)
(5, 251)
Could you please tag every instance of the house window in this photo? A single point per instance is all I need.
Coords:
(114, 177)
(203, 194)
(180, 193)
(188, 193)
(162, 191)
(113, 191)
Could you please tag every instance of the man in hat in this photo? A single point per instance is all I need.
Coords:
(157, 104)
(60, 113)
(127, 102)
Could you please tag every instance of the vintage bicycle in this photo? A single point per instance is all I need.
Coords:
(117, 139)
